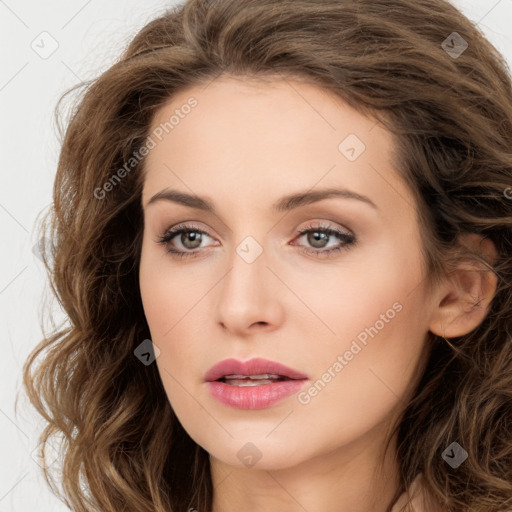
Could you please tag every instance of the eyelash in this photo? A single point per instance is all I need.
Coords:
(348, 239)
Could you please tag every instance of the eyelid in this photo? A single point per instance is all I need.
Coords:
(347, 239)
(182, 226)
(326, 225)
(316, 224)
(189, 225)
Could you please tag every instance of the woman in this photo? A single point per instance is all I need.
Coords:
(282, 234)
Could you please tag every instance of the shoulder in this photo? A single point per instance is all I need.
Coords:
(417, 497)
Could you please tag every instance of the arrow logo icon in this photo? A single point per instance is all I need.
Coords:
(147, 352)
(249, 454)
(249, 249)
(351, 147)
(44, 44)
(454, 45)
(451, 455)
(455, 455)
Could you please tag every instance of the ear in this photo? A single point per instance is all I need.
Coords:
(463, 301)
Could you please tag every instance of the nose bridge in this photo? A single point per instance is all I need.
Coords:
(250, 242)
(247, 265)
(247, 295)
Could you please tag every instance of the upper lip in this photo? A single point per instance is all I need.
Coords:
(255, 366)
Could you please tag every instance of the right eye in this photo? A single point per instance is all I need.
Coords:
(187, 242)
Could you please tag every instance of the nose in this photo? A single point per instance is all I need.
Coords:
(250, 296)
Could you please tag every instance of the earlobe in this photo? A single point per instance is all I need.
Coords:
(463, 301)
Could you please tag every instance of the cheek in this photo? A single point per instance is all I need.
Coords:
(166, 305)
(353, 293)
(172, 304)
(168, 291)
(375, 311)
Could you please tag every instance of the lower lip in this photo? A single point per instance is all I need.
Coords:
(254, 397)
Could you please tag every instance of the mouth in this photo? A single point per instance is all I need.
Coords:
(254, 384)
(252, 380)
(254, 372)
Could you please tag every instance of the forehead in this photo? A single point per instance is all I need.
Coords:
(257, 104)
(262, 139)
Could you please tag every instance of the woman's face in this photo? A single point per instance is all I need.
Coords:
(248, 285)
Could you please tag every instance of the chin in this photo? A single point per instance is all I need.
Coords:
(259, 454)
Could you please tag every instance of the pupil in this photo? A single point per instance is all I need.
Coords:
(316, 236)
(191, 236)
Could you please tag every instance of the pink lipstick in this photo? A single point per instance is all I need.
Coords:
(254, 384)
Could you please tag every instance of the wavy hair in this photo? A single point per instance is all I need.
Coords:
(451, 120)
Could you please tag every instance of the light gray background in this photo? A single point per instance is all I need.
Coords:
(90, 35)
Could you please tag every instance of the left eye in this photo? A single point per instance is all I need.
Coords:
(191, 238)
(319, 234)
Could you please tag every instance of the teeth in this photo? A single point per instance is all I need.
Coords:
(252, 380)
(265, 376)
(249, 382)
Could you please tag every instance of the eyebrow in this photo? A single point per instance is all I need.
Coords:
(284, 204)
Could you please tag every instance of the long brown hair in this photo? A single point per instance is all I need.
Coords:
(451, 118)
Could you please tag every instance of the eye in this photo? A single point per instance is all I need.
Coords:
(190, 238)
(319, 235)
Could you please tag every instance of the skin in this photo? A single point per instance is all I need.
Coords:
(245, 145)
